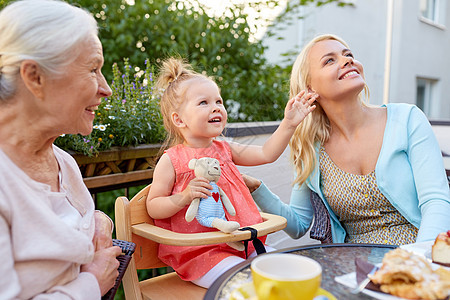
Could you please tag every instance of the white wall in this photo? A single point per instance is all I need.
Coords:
(418, 48)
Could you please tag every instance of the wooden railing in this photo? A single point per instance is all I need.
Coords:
(120, 167)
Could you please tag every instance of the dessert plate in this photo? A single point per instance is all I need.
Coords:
(349, 280)
(424, 249)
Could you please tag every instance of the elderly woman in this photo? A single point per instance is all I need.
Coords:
(378, 170)
(53, 244)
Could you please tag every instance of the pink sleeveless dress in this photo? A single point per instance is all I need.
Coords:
(194, 261)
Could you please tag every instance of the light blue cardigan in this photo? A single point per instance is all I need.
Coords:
(410, 173)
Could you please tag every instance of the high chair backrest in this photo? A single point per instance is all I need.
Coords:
(134, 212)
(146, 253)
(128, 213)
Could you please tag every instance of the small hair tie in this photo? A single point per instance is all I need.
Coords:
(170, 82)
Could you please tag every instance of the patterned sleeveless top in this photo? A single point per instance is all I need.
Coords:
(364, 212)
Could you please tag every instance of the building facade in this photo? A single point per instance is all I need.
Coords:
(404, 46)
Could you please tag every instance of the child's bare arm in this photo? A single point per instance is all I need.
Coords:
(160, 203)
(295, 112)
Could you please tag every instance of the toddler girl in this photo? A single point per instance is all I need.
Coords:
(194, 116)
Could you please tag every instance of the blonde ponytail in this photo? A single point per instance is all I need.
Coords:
(173, 73)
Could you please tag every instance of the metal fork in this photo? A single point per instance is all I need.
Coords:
(364, 283)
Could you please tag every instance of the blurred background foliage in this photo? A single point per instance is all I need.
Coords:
(252, 89)
(222, 46)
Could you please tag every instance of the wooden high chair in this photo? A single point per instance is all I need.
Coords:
(133, 224)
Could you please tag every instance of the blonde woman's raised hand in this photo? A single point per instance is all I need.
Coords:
(299, 107)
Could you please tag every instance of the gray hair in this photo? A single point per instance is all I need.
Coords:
(45, 31)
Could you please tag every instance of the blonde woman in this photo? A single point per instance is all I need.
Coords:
(377, 169)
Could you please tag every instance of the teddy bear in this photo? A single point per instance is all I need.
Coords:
(210, 211)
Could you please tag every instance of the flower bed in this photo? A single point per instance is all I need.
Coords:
(129, 117)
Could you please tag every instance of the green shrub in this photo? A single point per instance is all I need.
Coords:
(252, 89)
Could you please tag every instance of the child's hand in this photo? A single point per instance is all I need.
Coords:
(299, 107)
(199, 187)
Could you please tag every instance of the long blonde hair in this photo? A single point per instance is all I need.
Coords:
(315, 128)
(173, 75)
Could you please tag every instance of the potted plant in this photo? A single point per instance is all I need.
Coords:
(128, 129)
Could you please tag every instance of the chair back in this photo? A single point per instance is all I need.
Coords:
(127, 214)
(321, 228)
(146, 253)
(447, 172)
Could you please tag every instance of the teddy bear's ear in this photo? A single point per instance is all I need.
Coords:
(192, 163)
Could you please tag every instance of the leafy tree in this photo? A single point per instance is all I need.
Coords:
(220, 46)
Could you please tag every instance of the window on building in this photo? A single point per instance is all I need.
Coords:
(433, 11)
(428, 9)
(425, 96)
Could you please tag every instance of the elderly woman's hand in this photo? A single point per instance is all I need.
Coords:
(251, 182)
(103, 231)
(104, 267)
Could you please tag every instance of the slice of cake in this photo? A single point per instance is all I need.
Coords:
(407, 275)
(440, 251)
